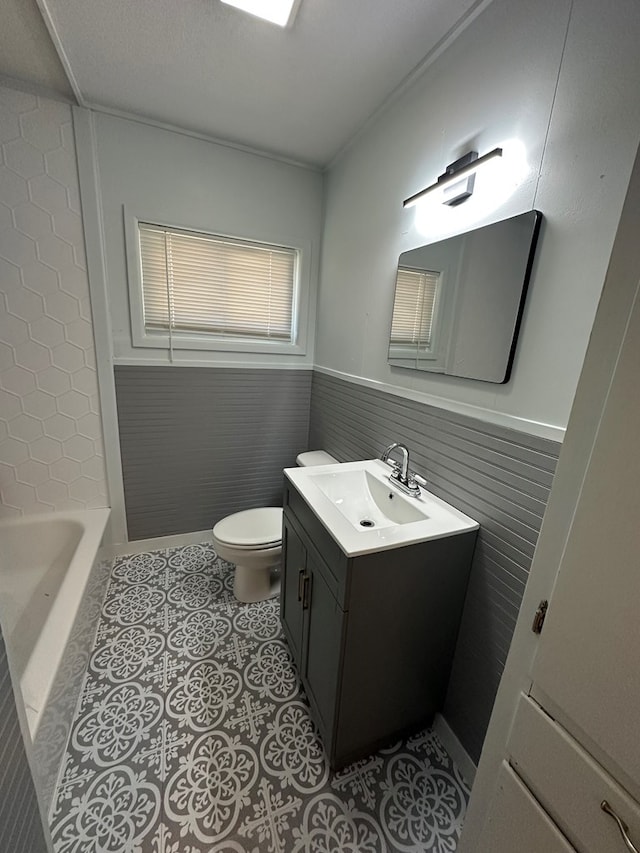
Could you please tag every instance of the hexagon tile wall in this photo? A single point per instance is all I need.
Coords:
(51, 449)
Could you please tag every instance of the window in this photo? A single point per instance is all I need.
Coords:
(202, 290)
(414, 307)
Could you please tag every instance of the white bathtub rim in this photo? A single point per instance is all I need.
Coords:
(40, 671)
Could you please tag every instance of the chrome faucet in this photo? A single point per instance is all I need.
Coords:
(404, 479)
(402, 469)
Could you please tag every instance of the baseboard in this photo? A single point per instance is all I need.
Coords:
(157, 543)
(455, 749)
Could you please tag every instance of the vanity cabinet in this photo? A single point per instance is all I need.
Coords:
(313, 623)
(372, 635)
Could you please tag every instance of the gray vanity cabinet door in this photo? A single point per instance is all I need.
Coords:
(294, 557)
(322, 646)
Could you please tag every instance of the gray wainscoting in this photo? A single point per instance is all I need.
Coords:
(200, 443)
(20, 824)
(500, 477)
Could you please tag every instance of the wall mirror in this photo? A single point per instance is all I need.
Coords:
(458, 302)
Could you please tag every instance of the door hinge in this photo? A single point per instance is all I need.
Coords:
(538, 619)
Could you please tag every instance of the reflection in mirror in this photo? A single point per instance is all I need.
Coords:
(414, 308)
(458, 302)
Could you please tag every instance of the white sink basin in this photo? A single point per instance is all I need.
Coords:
(367, 501)
(365, 512)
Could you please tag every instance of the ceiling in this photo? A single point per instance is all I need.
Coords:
(300, 93)
(26, 50)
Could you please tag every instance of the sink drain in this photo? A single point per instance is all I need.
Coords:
(366, 522)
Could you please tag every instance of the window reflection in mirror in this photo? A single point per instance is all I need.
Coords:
(414, 310)
(458, 302)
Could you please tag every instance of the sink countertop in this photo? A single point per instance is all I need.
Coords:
(437, 520)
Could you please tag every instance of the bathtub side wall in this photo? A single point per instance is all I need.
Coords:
(47, 666)
(20, 824)
(55, 724)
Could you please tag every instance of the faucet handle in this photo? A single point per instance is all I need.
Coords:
(395, 470)
(419, 479)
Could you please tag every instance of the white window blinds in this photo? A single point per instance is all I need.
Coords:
(414, 305)
(201, 284)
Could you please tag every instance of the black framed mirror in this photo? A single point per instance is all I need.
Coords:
(458, 302)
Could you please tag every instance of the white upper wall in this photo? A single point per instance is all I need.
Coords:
(173, 178)
(494, 84)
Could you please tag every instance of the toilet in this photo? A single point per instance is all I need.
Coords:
(252, 540)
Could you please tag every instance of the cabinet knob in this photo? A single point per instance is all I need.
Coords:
(622, 826)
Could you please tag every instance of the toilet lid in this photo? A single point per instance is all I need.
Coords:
(251, 527)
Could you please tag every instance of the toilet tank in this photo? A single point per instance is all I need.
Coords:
(314, 457)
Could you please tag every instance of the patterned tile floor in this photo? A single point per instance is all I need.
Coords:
(193, 736)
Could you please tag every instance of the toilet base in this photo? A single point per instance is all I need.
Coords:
(251, 585)
(253, 570)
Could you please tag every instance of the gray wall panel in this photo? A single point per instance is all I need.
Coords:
(20, 824)
(498, 476)
(200, 443)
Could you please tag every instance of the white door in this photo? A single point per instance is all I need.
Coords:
(516, 822)
(587, 668)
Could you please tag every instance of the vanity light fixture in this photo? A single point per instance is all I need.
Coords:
(279, 12)
(457, 180)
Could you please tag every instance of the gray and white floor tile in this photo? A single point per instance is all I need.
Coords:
(193, 735)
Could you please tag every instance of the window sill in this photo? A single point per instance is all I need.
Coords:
(208, 344)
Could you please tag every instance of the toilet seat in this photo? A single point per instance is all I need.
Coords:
(251, 529)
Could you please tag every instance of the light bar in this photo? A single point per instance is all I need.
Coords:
(279, 12)
(452, 174)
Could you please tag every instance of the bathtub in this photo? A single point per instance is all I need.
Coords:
(46, 566)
